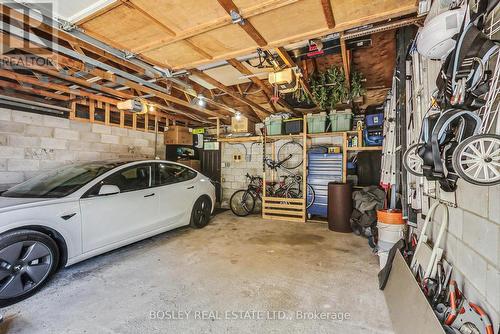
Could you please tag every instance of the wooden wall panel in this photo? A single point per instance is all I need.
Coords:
(124, 26)
(377, 62)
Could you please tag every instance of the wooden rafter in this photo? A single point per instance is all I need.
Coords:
(327, 10)
(283, 54)
(229, 7)
(63, 76)
(261, 112)
(65, 61)
(49, 85)
(31, 90)
(265, 88)
(346, 59)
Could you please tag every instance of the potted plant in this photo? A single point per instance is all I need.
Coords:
(357, 89)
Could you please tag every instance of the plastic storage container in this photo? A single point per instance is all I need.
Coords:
(274, 126)
(340, 121)
(316, 123)
(293, 126)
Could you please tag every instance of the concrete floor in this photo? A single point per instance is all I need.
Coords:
(234, 265)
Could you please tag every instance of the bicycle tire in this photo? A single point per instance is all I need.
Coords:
(291, 148)
(237, 206)
(310, 194)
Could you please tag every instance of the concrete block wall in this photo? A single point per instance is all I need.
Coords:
(233, 172)
(472, 244)
(31, 143)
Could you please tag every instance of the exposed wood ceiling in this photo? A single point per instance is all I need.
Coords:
(188, 34)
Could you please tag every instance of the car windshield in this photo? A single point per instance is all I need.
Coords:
(60, 182)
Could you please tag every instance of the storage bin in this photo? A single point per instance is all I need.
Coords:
(340, 121)
(293, 126)
(274, 126)
(316, 123)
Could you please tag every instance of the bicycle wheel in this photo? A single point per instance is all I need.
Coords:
(412, 162)
(242, 203)
(311, 196)
(293, 149)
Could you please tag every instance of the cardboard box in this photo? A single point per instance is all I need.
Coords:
(242, 125)
(194, 164)
(178, 135)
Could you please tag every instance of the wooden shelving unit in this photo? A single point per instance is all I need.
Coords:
(286, 209)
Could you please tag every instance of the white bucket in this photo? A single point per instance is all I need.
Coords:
(383, 252)
(391, 233)
(382, 258)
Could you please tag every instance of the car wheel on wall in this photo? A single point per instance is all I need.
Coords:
(202, 209)
(27, 260)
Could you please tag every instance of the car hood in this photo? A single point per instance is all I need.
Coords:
(11, 203)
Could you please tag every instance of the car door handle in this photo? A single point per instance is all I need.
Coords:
(192, 187)
(150, 195)
(68, 216)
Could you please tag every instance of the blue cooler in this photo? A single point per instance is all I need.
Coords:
(373, 134)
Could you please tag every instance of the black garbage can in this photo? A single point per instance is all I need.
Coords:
(339, 207)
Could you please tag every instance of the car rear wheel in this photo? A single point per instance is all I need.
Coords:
(202, 209)
(27, 260)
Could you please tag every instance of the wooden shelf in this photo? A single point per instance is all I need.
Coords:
(240, 139)
(283, 137)
(367, 148)
(331, 134)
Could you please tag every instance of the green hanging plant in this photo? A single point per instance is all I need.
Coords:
(329, 88)
(357, 89)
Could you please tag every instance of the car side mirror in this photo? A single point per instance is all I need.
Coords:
(108, 189)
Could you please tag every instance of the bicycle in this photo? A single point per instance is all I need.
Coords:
(242, 202)
(291, 186)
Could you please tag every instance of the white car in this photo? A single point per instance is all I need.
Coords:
(76, 212)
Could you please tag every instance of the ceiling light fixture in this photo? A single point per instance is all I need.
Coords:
(237, 115)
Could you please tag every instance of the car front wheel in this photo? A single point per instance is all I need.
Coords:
(27, 260)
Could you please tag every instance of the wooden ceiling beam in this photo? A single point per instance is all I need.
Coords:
(346, 60)
(327, 10)
(68, 62)
(63, 76)
(49, 85)
(230, 7)
(261, 112)
(35, 91)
